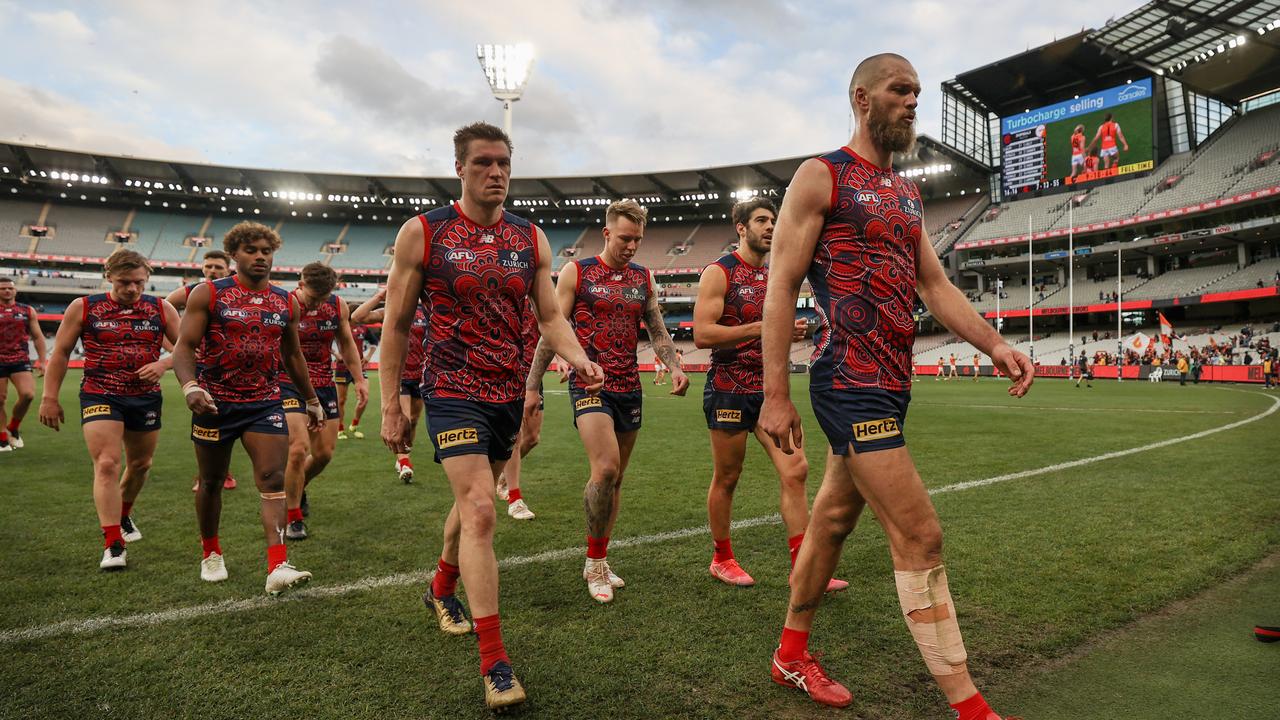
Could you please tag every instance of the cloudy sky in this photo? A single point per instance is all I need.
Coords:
(378, 87)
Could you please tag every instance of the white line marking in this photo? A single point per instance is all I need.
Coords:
(87, 625)
(1080, 409)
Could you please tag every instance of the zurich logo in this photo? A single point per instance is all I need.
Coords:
(866, 197)
(1132, 92)
(461, 255)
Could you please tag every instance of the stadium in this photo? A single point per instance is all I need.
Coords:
(1112, 546)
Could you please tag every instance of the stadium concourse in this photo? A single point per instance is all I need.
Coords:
(1087, 522)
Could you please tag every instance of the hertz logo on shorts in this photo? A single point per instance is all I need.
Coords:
(291, 404)
(95, 411)
(875, 430)
(203, 433)
(463, 436)
(729, 416)
(587, 402)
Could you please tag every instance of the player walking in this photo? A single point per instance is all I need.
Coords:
(1077, 150)
(19, 325)
(1107, 134)
(344, 377)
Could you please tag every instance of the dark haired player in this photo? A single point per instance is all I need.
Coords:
(410, 395)
(248, 327)
(19, 324)
(1108, 132)
(853, 225)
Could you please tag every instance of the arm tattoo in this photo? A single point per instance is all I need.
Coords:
(662, 343)
(807, 606)
(541, 359)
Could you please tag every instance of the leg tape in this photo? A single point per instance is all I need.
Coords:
(939, 637)
(272, 495)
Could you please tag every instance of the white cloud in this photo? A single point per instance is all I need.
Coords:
(60, 25)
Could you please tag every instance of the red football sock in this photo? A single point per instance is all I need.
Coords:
(110, 534)
(724, 550)
(795, 643)
(4, 436)
(597, 548)
(514, 495)
(295, 514)
(489, 632)
(975, 708)
(14, 424)
(445, 583)
(355, 421)
(404, 461)
(276, 554)
(210, 545)
(124, 509)
(794, 543)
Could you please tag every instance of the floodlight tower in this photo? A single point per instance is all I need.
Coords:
(507, 69)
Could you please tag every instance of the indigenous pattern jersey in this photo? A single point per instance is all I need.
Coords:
(317, 328)
(118, 340)
(864, 277)
(362, 335)
(416, 353)
(243, 341)
(200, 349)
(740, 369)
(607, 311)
(531, 337)
(15, 331)
(475, 290)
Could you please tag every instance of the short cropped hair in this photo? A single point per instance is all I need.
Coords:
(743, 211)
(122, 261)
(629, 209)
(218, 255)
(249, 231)
(6, 279)
(477, 131)
(320, 278)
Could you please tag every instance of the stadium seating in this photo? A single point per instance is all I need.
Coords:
(709, 241)
(304, 242)
(13, 216)
(1179, 283)
(560, 238)
(1248, 277)
(82, 230)
(1012, 219)
(366, 247)
(161, 236)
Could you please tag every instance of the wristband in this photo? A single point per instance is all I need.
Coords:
(315, 401)
(189, 383)
(187, 392)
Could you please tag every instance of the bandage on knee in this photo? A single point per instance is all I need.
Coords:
(934, 626)
(272, 496)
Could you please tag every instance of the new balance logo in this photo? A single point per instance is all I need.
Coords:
(462, 436)
(875, 430)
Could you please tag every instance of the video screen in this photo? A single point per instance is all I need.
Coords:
(1092, 137)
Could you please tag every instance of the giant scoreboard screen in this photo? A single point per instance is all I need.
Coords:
(1092, 137)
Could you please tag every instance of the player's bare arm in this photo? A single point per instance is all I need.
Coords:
(152, 372)
(404, 286)
(368, 311)
(953, 310)
(707, 311)
(296, 365)
(1120, 136)
(663, 345)
(178, 298)
(195, 321)
(351, 354)
(553, 301)
(804, 210)
(63, 343)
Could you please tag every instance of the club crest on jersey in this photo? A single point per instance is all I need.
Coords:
(462, 436)
(867, 197)
(875, 430)
(460, 255)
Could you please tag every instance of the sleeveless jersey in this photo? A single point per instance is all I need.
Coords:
(531, 335)
(201, 352)
(1109, 130)
(118, 340)
(864, 277)
(362, 335)
(243, 341)
(740, 369)
(607, 309)
(476, 283)
(1077, 143)
(416, 354)
(317, 328)
(15, 332)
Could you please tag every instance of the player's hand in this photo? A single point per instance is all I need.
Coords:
(1017, 366)
(679, 382)
(564, 373)
(381, 294)
(780, 421)
(51, 413)
(591, 375)
(151, 372)
(362, 395)
(532, 399)
(799, 329)
(39, 365)
(395, 428)
(200, 402)
(315, 415)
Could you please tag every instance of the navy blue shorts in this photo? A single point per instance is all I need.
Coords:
(236, 419)
(344, 377)
(868, 419)
(624, 408)
(139, 413)
(731, 411)
(293, 402)
(467, 427)
(14, 369)
(411, 388)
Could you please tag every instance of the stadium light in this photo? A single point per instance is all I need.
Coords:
(507, 68)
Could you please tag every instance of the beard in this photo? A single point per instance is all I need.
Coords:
(757, 243)
(888, 134)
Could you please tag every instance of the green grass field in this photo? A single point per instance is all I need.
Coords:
(1052, 572)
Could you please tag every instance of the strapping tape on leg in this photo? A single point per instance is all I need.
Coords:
(272, 496)
(938, 638)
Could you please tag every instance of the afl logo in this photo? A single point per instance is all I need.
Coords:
(746, 292)
(866, 197)
(460, 255)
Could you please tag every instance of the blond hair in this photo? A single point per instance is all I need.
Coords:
(629, 209)
(122, 261)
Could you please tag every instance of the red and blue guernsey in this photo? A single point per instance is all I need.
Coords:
(361, 334)
(416, 354)
(531, 337)
(200, 349)
(243, 341)
(607, 310)
(15, 332)
(119, 340)
(864, 277)
(317, 328)
(740, 369)
(475, 291)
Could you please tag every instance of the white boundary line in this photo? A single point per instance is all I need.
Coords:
(80, 627)
(1076, 409)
